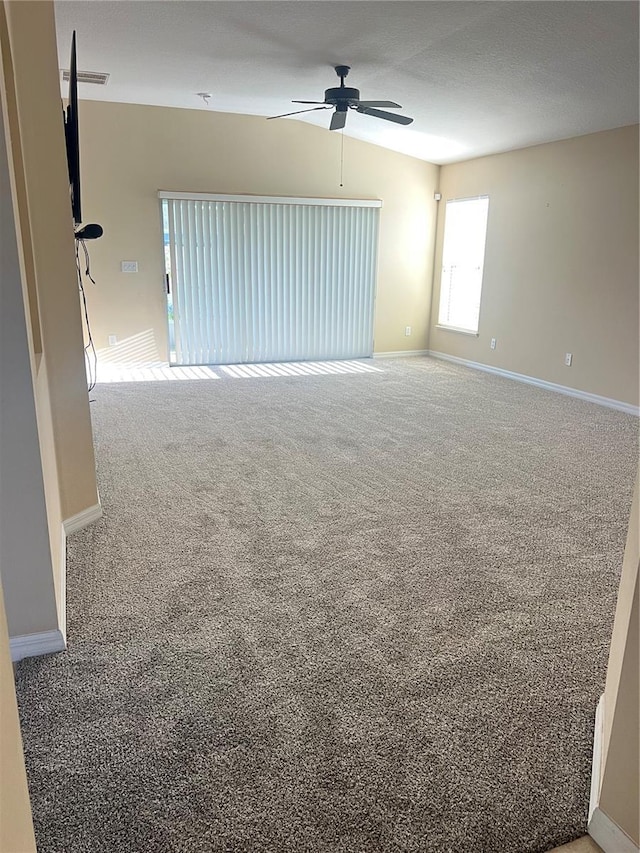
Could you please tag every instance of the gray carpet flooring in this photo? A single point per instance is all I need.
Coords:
(334, 614)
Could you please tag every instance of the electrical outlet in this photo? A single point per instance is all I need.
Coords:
(113, 340)
(568, 358)
(493, 343)
(407, 330)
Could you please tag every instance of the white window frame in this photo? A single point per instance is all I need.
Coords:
(474, 272)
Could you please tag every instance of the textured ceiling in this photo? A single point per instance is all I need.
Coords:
(478, 77)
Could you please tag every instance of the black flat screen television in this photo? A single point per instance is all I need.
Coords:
(71, 136)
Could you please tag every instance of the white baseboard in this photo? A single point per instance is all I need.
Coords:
(69, 526)
(62, 592)
(407, 353)
(596, 761)
(608, 834)
(540, 383)
(601, 828)
(32, 645)
(82, 519)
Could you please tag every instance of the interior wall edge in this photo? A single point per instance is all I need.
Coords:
(16, 827)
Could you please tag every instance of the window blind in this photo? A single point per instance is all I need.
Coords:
(271, 279)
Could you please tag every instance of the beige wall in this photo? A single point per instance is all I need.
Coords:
(33, 117)
(619, 793)
(16, 827)
(26, 565)
(130, 152)
(561, 264)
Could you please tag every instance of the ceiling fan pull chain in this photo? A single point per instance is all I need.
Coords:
(341, 155)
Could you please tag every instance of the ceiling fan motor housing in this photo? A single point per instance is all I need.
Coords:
(342, 96)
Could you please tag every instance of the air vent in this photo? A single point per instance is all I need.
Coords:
(99, 78)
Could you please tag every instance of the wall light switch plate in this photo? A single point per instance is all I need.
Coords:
(568, 358)
(407, 330)
(493, 343)
(113, 340)
(128, 266)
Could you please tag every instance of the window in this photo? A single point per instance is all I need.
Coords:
(465, 232)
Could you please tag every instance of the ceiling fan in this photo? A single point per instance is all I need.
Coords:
(342, 98)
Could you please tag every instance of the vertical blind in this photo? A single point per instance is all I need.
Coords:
(465, 232)
(261, 279)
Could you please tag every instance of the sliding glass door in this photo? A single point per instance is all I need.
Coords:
(270, 279)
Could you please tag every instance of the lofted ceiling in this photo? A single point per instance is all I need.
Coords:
(478, 77)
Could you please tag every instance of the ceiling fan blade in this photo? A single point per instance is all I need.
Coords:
(297, 112)
(338, 120)
(309, 102)
(379, 104)
(381, 114)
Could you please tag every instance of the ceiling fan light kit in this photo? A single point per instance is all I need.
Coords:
(343, 98)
